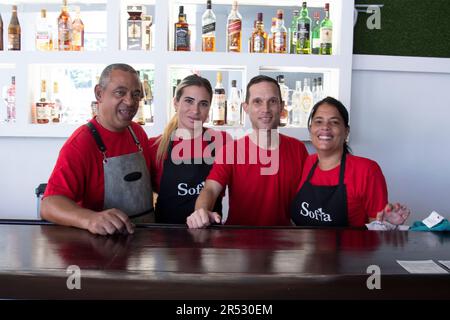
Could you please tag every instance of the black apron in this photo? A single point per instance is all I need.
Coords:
(321, 205)
(180, 186)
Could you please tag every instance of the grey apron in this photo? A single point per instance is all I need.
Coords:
(127, 181)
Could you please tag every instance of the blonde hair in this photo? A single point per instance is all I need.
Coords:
(169, 130)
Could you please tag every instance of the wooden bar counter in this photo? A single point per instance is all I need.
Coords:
(173, 262)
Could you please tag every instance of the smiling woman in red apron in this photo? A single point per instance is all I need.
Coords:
(338, 188)
(183, 155)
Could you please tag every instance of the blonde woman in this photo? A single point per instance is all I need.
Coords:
(182, 156)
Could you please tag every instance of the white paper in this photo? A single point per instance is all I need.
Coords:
(385, 226)
(433, 219)
(445, 263)
(421, 266)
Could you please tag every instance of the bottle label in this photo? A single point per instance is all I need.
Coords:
(234, 34)
(279, 42)
(258, 44)
(209, 28)
(306, 103)
(326, 35)
(219, 107)
(182, 37)
(76, 39)
(233, 113)
(303, 34)
(315, 44)
(43, 111)
(14, 42)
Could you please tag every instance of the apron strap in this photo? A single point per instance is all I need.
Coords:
(136, 141)
(98, 139)
(341, 170)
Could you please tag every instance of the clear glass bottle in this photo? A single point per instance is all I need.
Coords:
(43, 33)
(14, 31)
(219, 102)
(284, 116)
(271, 35)
(280, 34)
(258, 40)
(147, 22)
(234, 29)
(182, 34)
(304, 31)
(77, 32)
(293, 32)
(56, 104)
(208, 29)
(64, 29)
(11, 101)
(326, 33)
(296, 104)
(234, 105)
(306, 101)
(134, 27)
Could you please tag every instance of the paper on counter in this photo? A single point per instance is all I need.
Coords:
(421, 266)
(433, 219)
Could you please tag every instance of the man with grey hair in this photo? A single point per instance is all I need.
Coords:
(101, 178)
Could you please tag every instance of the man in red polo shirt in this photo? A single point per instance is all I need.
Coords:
(262, 170)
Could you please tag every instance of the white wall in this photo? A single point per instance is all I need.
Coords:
(399, 119)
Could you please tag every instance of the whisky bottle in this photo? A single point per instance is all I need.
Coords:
(271, 35)
(43, 33)
(147, 22)
(326, 32)
(14, 31)
(1, 33)
(56, 104)
(315, 37)
(43, 109)
(11, 101)
(280, 34)
(234, 29)
(293, 33)
(208, 29)
(284, 115)
(304, 31)
(134, 28)
(182, 33)
(64, 29)
(258, 40)
(219, 102)
(234, 105)
(77, 32)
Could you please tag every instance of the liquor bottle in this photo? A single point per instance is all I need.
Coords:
(182, 33)
(1, 33)
(56, 104)
(234, 29)
(296, 104)
(43, 33)
(306, 101)
(43, 111)
(219, 102)
(258, 42)
(316, 34)
(280, 34)
(77, 32)
(14, 31)
(320, 92)
(11, 101)
(64, 29)
(326, 32)
(147, 22)
(293, 33)
(208, 29)
(134, 28)
(284, 116)
(148, 98)
(270, 35)
(234, 106)
(304, 31)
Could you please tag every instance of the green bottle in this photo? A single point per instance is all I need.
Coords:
(326, 32)
(293, 33)
(304, 31)
(316, 34)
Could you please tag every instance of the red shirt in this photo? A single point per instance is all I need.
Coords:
(78, 173)
(366, 186)
(256, 197)
(179, 147)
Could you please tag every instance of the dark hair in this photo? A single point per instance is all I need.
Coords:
(106, 73)
(258, 79)
(340, 108)
(193, 80)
